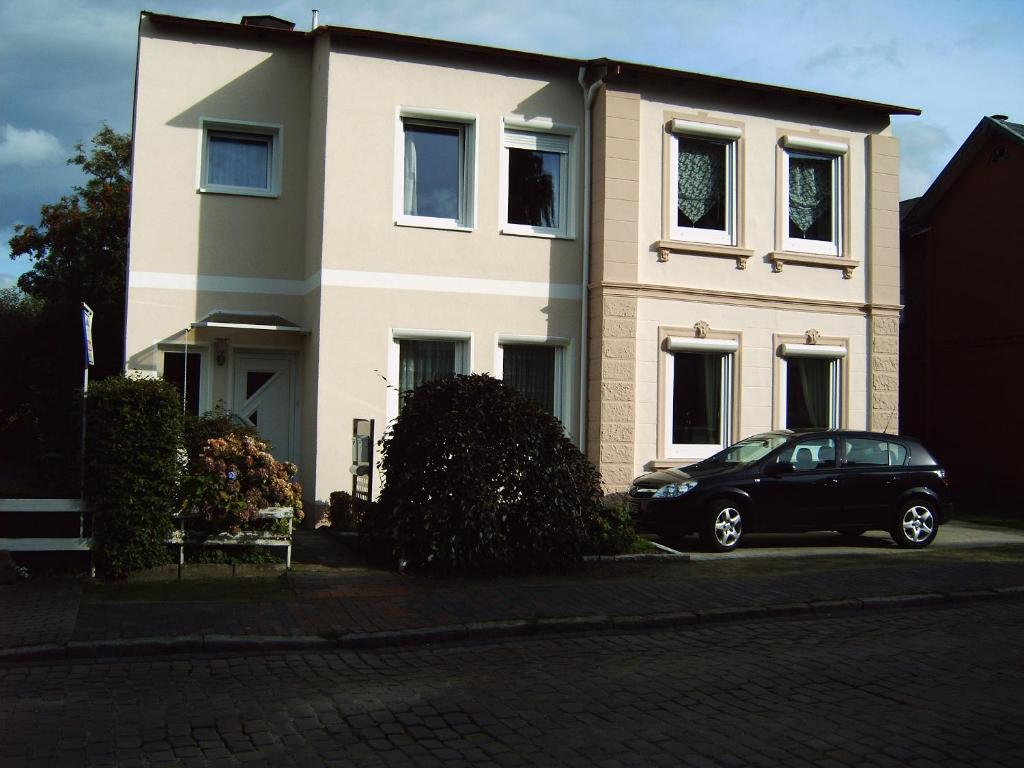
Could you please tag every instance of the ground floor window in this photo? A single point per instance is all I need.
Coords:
(698, 407)
(184, 370)
(423, 360)
(536, 371)
(812, 392)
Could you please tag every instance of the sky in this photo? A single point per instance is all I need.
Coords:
(68, 66)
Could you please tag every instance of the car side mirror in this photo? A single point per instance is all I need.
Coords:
(780, 468)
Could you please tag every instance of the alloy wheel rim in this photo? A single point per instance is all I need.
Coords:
(728, 527)
(918, 524)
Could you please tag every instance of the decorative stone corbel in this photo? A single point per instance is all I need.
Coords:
(812, 334)
(847, 273)
(663, 254)
(701, 329)
(777, 264)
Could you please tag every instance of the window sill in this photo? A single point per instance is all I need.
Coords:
(238, 191)
(427, 224)
(658, 464)
(780, 258)
(516, 232)
(667, 247)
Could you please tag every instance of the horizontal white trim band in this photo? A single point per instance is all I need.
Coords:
(349, 278)
(812, 350)
(710, 130)
(814, 145)
(683, 344)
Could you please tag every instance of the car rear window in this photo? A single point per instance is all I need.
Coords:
(869, 452)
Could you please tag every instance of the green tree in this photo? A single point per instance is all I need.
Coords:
(79, 253)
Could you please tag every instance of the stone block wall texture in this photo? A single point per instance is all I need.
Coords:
(884, 281)
(615, 213)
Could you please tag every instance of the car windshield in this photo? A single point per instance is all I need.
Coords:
(746, 451)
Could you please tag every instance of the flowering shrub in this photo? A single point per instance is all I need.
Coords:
(231, 479)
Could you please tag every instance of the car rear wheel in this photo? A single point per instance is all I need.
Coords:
(723, 527)
(915, 525)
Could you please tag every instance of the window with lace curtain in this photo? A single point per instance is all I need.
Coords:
(812, 199)
(702, 182)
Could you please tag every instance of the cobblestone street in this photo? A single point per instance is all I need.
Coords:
(943, 686)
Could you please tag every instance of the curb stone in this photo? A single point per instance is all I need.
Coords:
(484, 630)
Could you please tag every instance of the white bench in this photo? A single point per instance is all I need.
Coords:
(49, 543)
(181, 537)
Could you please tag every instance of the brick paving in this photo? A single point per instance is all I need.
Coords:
(337, 596)
(929, 687)
(339, 602)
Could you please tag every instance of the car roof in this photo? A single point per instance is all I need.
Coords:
(801, 433)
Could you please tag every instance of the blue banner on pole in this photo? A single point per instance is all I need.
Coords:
(90, 359)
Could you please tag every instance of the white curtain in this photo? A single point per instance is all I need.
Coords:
(701, 177)
(238, 162)
(410, 206)
(810, 191)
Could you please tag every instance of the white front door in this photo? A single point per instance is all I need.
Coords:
(266, 397)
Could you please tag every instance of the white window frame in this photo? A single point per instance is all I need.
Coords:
(727, 348)
(205, 374)
(274, 135)
(463, 357)
(547, 136)
(835, 354)
(563, 357)
(815, 149)
(466, 124)
(728, 136)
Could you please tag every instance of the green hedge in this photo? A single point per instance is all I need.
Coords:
(132, 471)
(479, 479)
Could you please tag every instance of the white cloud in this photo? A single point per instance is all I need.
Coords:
(28, 147)
(925, 148)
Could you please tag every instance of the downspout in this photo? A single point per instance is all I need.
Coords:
(588, 101)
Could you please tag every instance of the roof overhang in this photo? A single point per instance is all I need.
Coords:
(248, 321)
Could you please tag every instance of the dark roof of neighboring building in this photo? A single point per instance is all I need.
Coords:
(921, 207)
(611, 64)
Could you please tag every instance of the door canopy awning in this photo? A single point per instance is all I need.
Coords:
(248, 321)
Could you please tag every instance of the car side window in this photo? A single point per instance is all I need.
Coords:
(806, 455)
(869, 452)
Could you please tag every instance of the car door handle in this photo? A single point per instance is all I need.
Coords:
(830, 481)
(892, 480)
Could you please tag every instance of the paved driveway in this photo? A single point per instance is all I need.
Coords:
(874, 543)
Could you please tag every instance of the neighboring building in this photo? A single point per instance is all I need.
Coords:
(323, 220)
(962, 338)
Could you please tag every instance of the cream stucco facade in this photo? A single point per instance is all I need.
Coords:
(289, 303)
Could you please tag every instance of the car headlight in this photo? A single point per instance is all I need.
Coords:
(672, 490)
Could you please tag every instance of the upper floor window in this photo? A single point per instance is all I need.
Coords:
(537, 174)
(812, 196)
(240, 158)
(436, 170)
(703, 182)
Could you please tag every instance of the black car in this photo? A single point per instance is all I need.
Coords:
(832, 480)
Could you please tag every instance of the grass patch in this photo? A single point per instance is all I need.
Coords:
(228, 589)
(642, 546)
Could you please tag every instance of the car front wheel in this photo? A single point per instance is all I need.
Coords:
(915, 526)
(723, 527)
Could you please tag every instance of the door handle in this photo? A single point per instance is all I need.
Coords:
(830, 481)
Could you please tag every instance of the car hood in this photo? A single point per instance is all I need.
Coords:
(681, 475)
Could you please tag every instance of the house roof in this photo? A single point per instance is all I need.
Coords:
(614, 65)
(922, 207)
